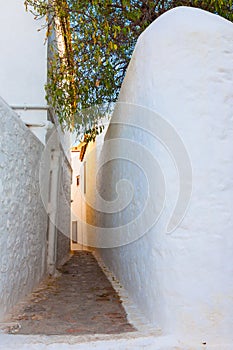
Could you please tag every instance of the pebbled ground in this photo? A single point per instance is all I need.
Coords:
(80, 301)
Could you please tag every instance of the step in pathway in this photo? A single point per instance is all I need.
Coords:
(80, 301)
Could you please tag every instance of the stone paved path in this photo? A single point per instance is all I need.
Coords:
(80, 301)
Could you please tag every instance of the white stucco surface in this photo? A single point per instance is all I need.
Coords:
(182, 69)
(25, 184)
(99, 342)
(23, 220)
(55, 175)
(64, 212)
(102, 342)
(23, 63)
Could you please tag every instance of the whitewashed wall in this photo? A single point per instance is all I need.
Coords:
(64, 212)
(55, 189)
(23, 220)
(182, 68)
(23, 63)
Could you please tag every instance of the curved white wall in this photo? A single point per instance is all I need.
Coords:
(182, 68)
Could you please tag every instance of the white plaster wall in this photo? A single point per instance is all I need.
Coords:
(58, 141)
(55, 187)
(64, 212)
(23, 62)
(182, 68)
(23, 220)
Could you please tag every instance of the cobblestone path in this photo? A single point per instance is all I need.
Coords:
(80, 301)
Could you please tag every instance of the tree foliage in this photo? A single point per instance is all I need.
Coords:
(98, 39)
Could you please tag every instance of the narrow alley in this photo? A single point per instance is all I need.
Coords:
(80, 301)
(116, 175)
